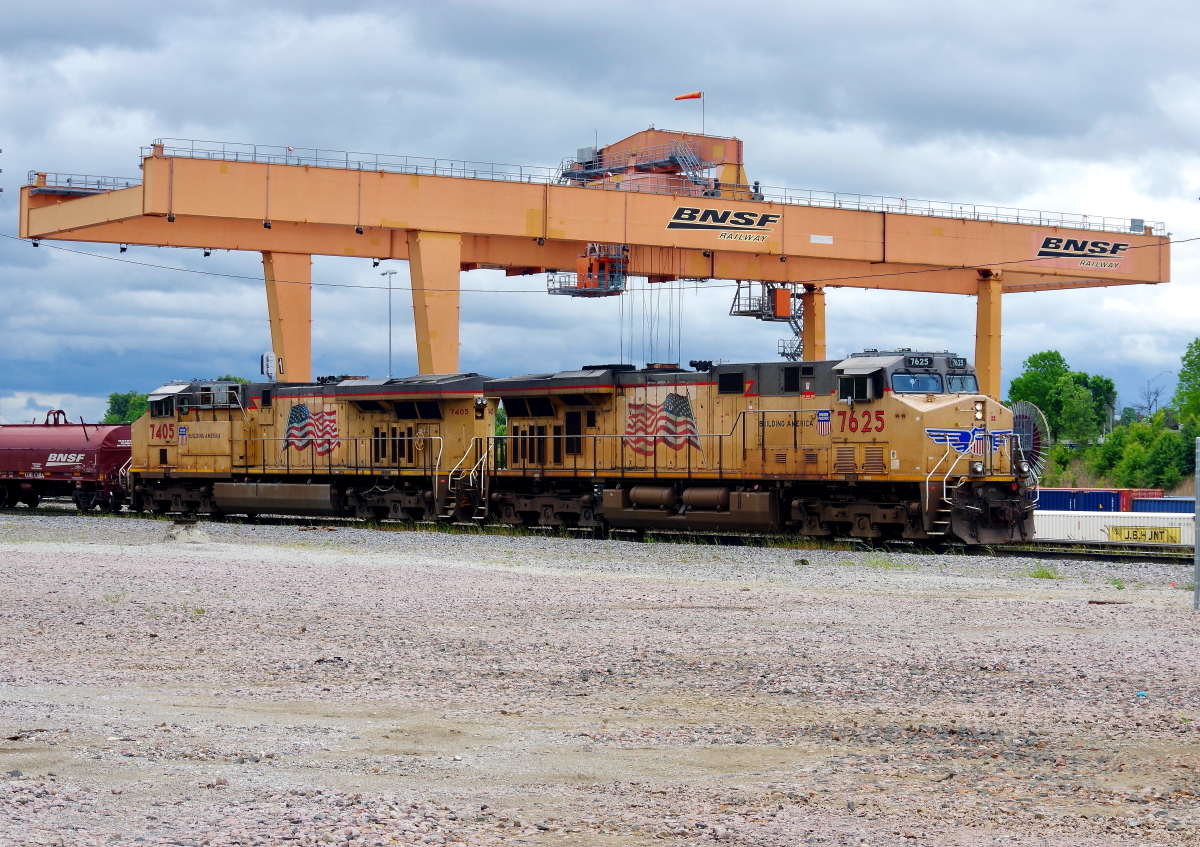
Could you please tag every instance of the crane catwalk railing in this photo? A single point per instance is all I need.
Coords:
(495, 171)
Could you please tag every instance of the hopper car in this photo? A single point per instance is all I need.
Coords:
(882, 444)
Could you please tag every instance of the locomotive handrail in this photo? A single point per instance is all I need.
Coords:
(123, 476)
(329, 465)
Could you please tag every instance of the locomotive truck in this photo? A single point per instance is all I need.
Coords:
(883, 444)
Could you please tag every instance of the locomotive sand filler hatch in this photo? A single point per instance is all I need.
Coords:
(680, 202)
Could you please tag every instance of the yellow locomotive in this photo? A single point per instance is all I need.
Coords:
(894, 444)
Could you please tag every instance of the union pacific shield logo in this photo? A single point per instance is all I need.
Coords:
(824, 423)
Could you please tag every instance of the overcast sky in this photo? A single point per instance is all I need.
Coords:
(1089, 107)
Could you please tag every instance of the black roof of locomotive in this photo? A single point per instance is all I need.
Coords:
(426, 385)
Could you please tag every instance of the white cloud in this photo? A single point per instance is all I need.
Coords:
(26, 407)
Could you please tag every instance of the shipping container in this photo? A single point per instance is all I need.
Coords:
(1116, 528)
(1128, 495)
(1170, 505)
(1093, 499)
(1080, 499)
(1098, 501)
(1056, 499)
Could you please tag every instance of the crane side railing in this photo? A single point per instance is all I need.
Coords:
(651, 183)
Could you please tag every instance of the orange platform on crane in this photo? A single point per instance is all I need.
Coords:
(663, 205)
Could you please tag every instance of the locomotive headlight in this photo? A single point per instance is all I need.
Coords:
(1023, 468)
(977, 467)
(978, 410)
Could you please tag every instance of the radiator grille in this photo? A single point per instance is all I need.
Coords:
(781, 458)
(810, 457)
(844, 461)
(873, 460)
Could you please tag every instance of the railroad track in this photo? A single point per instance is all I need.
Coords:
(1085, 551)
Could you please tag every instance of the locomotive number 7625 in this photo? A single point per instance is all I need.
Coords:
(861, 421)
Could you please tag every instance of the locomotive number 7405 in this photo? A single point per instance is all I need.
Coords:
(861, 421)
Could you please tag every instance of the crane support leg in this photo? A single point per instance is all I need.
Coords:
(434, 267)
(987, 334)
(813, 340)
(289, 306)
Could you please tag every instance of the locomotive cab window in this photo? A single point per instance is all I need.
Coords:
(731, 383)
(164, 408)
(917, 383)
(962, 384)
(856, 388)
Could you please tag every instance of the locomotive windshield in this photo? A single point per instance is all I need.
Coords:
(962, 384)
(917, 383)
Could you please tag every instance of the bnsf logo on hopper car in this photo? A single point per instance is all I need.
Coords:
(64, 459)
(732, 225)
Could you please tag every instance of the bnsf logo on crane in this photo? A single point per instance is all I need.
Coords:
(733, 225)
(1054, 247)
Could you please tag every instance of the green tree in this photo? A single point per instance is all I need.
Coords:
(1188, 433)
(125, 408)
(1074, 410)
(1163, 460)
(1131, 471)
(1108, 455)
(1187, 389)
(231, 378)
(1041, 374)
(1104, 396)
(501, 440)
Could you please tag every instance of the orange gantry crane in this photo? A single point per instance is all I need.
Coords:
(659, 204)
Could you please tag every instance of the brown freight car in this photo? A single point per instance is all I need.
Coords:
(57, 458)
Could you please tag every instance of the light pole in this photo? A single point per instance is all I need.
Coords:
(389, 275)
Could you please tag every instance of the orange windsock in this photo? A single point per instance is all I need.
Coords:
(695, 95)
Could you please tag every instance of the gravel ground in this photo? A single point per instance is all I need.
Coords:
(280, 685)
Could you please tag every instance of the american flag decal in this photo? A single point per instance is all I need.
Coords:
(671, 423)
(319, 429)
(182, 436)
(824, 423)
